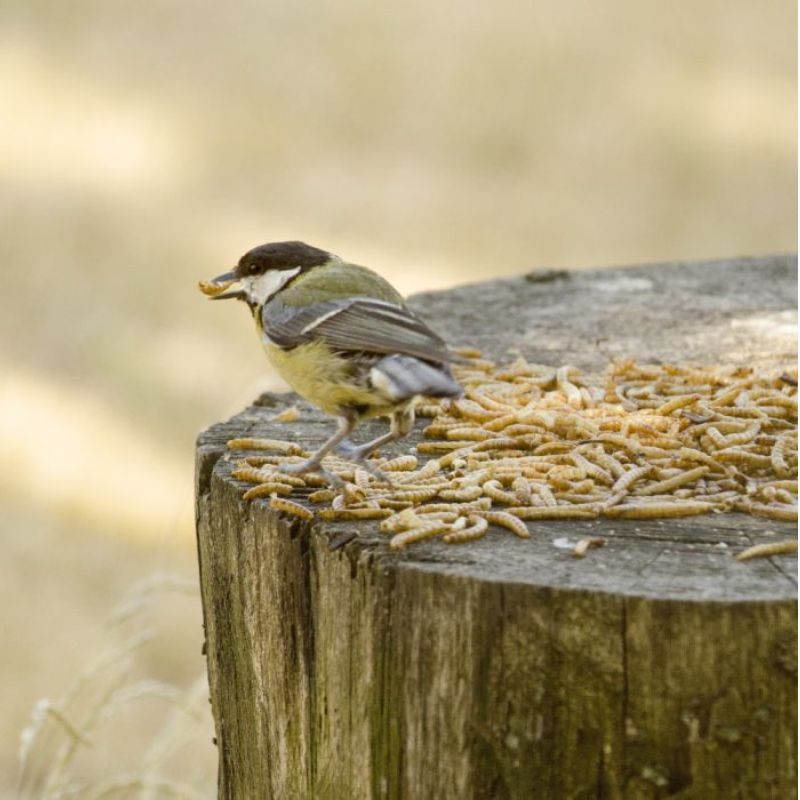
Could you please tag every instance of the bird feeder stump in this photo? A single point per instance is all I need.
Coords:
(656, 667)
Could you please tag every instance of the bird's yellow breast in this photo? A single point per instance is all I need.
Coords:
(325, 379)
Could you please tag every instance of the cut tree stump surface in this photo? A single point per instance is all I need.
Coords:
(657, 666)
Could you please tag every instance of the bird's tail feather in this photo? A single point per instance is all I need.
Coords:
(402, 377)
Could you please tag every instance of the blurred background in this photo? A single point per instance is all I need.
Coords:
(144, 146)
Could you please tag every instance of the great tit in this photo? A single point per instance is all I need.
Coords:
(343, 338)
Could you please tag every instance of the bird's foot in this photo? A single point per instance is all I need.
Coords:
(358, 455)
(303, 467)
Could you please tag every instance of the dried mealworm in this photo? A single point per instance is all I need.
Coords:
(658, 509)
(315, 479)
(407, 518)
(623, 484)
(391, 503)
(543, 490)
(290, 448)
(212, 289)
(714, 438)
(404, 463)
(412, 495)
(587, 399)
(260, 461)
(579, 551)
(620, 442)
(461, 495)
(354, 513)
(469, 434)
(248, 474)
(506, 520)
(749, 412)
(354, 493)
(290, 507)
(677, 403)
(439, 446)
(579, 487)
(747, 435)
(425, 531)
(782, 513)
(468, 409)
(482, 397)
(764, 550)
(666, 486)
(736, 455)
(400, 521)
(499, 423)
(554, 452)
(442, 516)
(522, 490)
(266, 488)
(476, 530)
(291, 414)
(322, 496)
(694, 455)
(587, 511)
(427, 410)
(338, 503)
(592, 470)
(537, 416)
(481, 504)
(723, 426)
(661, 442)
(789, 486)
(778, 455)
(778, 399)
(608, 462)
(580, 498)
(728, 396)
(772, 494)
(296, 481)
(567, 387)
(494, 489)
(475, 476)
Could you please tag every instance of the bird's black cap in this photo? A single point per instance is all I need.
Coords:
(280, 255)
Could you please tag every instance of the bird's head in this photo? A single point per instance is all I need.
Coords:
(263, 271)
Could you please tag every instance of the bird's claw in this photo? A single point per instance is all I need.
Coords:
(312, 466)
(358, 455)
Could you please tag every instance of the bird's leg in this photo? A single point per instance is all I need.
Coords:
(314, 462)
(402, 425)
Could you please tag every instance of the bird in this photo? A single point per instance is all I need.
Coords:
(344, 339)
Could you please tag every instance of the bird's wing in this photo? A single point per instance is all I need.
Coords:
(356, 324)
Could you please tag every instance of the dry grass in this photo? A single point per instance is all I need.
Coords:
(80, 746)
(145, 146)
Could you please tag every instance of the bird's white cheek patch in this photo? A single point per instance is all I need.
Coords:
(260, 288)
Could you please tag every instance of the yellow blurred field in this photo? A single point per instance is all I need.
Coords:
(146, 146)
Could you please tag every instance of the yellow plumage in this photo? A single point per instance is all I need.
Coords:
(326, 379)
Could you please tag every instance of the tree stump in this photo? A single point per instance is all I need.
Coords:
(657, 667)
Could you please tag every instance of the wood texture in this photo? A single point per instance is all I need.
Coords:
(656, 667)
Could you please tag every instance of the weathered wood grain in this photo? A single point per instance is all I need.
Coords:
(657, 666)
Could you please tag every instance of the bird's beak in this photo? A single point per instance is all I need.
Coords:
(226, 277)
(215, 288)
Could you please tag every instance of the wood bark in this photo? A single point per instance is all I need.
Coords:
(656, 667)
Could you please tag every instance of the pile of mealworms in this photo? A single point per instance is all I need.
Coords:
(533, 442)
